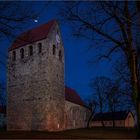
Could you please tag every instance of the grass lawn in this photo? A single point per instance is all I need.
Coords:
(90, 133)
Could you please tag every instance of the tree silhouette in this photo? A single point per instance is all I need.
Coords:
(101, 87)
(113, 23)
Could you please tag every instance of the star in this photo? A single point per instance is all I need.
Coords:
(35, 20)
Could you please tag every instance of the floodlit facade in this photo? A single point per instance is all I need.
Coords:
(37, 97)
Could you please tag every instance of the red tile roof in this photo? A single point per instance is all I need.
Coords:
(72, 96)
(32, 35)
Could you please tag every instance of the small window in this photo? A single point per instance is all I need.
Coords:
(30, 50)
(39, 47)
(14, 56)
(60, 55)
(53, 49)
(21, 53)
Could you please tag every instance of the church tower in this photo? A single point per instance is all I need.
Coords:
(36, 98)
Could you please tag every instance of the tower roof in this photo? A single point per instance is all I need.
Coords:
(72, 96)
(33, 35)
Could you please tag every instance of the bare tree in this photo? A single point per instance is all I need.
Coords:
(108, 96)
(15, 16)
(122, 74)
(112, 22)
(92, 104)
(114, 98)
(100, 86)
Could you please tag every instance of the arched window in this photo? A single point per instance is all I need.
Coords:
(53, 49)
(21, 53)
(14, 56)
(60, 55)
(30, 50)
(39, 47)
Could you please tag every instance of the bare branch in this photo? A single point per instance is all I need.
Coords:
(109, 53)
(94, 28)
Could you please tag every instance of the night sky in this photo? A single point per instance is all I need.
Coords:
(78, 70)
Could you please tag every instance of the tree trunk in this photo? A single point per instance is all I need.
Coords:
(103, 125)
(90, 118)
(93, 108)
(133, 63)
(102, 121)
(113, 119)
(137, 60)
(138, 28)
(135, 87)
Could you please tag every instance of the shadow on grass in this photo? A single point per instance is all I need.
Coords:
(85, 133)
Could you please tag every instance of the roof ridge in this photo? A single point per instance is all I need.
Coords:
(40, 25)
(73, 96)
(32, 35)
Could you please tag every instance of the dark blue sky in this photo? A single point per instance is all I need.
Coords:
(78, 70)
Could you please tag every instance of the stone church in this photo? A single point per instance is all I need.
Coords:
(37, 96)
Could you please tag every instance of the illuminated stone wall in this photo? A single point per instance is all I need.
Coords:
(129, 121)
(36, 87)
(76, 116)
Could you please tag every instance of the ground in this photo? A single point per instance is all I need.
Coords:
(91, 133)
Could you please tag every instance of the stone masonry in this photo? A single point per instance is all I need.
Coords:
(36, 96)
(76, 115)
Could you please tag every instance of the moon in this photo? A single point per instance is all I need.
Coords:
(35, 20)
